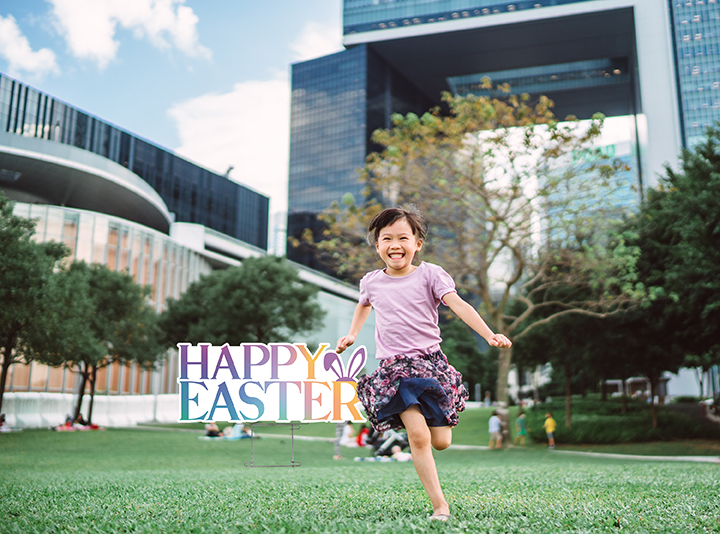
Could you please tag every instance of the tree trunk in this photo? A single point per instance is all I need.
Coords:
(7, 362)
(81, 393)
(699, 373)
(93, 377)
(603, 390)
(503, 369)
(3, 378)
(653, 408)
(624, 395)
(567, 396)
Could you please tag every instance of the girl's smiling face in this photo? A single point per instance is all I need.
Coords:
(397, 245)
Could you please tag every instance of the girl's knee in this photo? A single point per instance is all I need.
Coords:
(442, 442)
(441, 437)
(419, 438)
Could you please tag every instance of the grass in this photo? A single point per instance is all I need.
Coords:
(165, 481)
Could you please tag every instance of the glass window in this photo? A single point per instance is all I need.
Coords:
(70, 232)
(39, 376)
(100, 239)
(55, 380)
(84, 248)
(112, 247)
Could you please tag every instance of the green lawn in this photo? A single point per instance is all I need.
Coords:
(167, 481)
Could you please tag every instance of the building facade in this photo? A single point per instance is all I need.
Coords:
(190, 192)
(101, 191)
(654, 62)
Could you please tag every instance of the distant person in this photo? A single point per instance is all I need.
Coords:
(4, 426)
(212, 430)
(521, 428)
(362, 436)
(414, 387)
(348, 436)
(495, 429)
(550, 425)
(399, 455)
(80, 420)
(488, 399)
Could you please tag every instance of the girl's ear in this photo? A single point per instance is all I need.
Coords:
(419, 244)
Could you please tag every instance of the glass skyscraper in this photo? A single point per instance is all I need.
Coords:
(696, 44)
(338, 101)
(655, 61)
(192, 193)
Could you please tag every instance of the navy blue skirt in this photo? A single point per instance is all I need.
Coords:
(429, 382)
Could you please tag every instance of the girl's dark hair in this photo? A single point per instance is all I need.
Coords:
(390, 216)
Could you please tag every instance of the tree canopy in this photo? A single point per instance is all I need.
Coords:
(104, 318)
(517, 205)
(262, 300)
(25, 270)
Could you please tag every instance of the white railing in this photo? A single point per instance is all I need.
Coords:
(44, 410)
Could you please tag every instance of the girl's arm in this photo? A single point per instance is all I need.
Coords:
(471, 318)
(359, 317)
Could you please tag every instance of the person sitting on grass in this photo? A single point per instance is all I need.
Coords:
(212, 430)
(348, 438)
(495, 429)
(414, 386)
(550, 425)
(521, 428)
(399, 455)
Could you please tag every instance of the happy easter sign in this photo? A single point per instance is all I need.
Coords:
(278, 382)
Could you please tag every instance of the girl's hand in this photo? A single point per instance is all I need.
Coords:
(499, 341)
(343, 343)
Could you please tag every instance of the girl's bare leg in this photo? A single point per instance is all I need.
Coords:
(421, 437)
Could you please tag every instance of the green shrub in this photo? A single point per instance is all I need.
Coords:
(689, 399)
(596, 422)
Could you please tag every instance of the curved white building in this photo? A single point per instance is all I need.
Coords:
(106, 213)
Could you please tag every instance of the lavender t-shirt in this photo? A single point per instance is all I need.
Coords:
(406, 309)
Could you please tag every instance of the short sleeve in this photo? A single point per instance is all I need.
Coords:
(442, 284)
(364, 299)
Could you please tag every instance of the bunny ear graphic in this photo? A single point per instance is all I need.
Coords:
(356, 363)
(332, 359)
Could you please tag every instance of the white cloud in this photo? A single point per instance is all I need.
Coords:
(89, 26)
(316, 40)
(247, 128)
(15, 48)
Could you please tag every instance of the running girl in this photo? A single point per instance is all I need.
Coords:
(414, 387)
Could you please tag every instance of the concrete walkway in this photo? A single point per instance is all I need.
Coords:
(641, 457)
(647, 458)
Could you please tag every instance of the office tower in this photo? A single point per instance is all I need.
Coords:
(653, 61)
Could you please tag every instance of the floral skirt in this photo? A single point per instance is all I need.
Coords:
(401, 381)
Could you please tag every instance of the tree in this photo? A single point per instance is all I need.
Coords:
(701, 364)
(25, 269)
(514, 200)
(460, 345)
(681, 230)
(568, 343)
(262, 300)
(110, 319)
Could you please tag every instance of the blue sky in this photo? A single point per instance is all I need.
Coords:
(207, 79)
